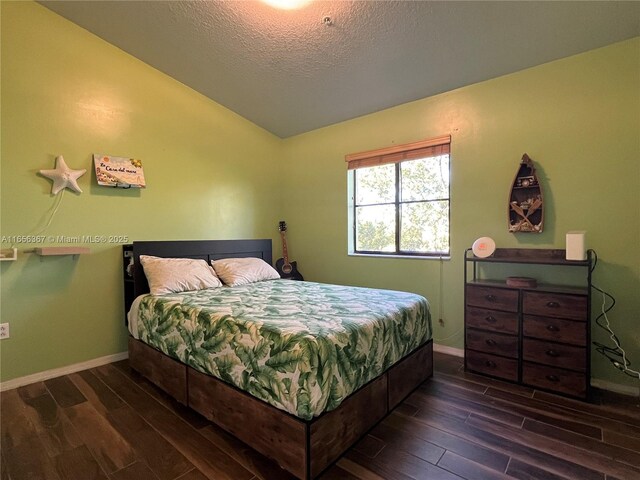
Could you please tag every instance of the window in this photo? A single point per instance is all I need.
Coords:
(399, 199)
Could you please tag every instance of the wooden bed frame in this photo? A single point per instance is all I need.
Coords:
(304, 448)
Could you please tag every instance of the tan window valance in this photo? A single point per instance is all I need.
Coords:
(398, 153)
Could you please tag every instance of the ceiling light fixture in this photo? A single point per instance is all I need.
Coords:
(287, 4)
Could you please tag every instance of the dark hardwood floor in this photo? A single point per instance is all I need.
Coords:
(109, 423)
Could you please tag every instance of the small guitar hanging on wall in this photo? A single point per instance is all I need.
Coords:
(525, 202)
(285, 268)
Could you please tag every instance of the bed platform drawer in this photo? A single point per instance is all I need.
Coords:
(493, 365)
(334, 432)
(167, 373)
(271, 432)
(408, 373)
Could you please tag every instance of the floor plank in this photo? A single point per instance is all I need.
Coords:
(412, 444)
(23, 453)
(135, 471)
(210, 460)
(506, 445)
(108, 447)
(559, 449)
(190, 416)
(626, 414)
(450, 442)
(100, 396)
(526, 471)
(468, 469)
(469, 402)
(194, 474)
(110, 422)
(337, 473)
(420, 401)
(369, 446)
(53, 427)
(561, 413)
(594, 446)
(4, 475)
(624, 441)
(357, 470)
(78, 463)
(254, 461)
(32, 391)
(64, 392)
(500, 401)
(163, 459)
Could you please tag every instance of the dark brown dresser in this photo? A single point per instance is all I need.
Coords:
(536, 336)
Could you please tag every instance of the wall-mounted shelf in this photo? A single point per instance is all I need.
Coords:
(49, 251)
(8, 254)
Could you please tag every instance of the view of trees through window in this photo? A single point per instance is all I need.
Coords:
(403, 208)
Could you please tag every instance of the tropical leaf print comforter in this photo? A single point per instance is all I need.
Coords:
(303, 347)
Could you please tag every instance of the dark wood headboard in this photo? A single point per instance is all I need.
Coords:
(205, 249)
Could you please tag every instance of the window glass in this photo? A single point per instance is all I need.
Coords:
(376, 185)
(375, 228)
(425, 178)
(402, 208)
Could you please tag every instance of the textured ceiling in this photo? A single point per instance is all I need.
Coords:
(290, 73)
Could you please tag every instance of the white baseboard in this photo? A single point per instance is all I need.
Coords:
(58, 372)
(456, 352)
(615, 387)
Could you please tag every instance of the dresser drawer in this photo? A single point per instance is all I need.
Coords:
(494, 298)
(490, 342)
(555, 329)
(502, 367)
(556, 379)
(493, 320)
(555, 305)
(554, 354)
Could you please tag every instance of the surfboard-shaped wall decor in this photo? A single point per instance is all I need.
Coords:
(526, 212)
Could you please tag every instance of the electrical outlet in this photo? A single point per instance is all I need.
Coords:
(4, 330)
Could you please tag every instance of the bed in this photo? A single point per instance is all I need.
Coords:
(297, 370)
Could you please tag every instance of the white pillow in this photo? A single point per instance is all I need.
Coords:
(240, 271)
(169, 275)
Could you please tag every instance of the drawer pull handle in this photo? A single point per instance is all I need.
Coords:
(552, 353)
(553, 304)
(552, 378)
(489, 363)
(490, 298)
(490, 319)
(490, 342)
(553, 328)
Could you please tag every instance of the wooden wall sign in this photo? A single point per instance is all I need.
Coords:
(526, 212)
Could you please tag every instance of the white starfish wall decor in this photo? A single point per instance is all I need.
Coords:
(63, 177)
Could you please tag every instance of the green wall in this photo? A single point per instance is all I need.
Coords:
(578, 118)
(213, 174)
(210, 174)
